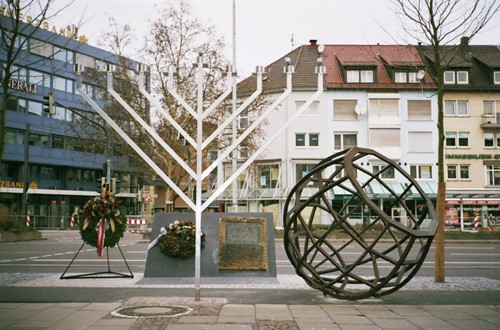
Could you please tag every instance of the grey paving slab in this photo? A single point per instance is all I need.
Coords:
(340, 309)
(406, 310)
(236, 319)
(198, 319)
(317, 326)
(210, 327)
(237, 310)
(45, 318)
(399, 323)
(431, 323)
(351, 319)
(80, 320)
(273, 312)
(474, 324)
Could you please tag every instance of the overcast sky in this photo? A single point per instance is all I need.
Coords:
(264, 28)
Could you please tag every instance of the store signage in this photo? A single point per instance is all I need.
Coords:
(473, 201)
(22, 86)
(473, 156)
(71, 31)
(17, 184)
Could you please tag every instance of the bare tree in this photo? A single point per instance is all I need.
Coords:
(19, 21)
(441, 23)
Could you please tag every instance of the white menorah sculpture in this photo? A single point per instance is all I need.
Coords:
(200, 114)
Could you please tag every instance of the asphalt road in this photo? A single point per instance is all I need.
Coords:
(53, 254)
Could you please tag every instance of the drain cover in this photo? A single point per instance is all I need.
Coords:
(151, 311)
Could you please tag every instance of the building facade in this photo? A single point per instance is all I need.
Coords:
(60, 157)
(472, 133)
(375, 96)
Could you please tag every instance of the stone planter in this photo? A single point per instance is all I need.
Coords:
(6, 236)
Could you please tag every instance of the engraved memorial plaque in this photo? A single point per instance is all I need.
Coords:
(242, 243)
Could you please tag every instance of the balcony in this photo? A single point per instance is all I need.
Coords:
(490, 120)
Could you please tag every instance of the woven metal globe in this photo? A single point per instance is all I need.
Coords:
(358, 258)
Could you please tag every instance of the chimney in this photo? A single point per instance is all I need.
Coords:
(464, 41)
(313, 43)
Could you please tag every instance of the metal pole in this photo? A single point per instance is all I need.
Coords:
(26, 169)
(234, 127)
(199, 170)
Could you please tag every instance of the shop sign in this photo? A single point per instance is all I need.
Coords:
(21, 86)
(473, 201)
(473, 156)
(17, 184)
(70, 32)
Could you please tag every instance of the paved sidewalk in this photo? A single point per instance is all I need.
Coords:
(215, 314)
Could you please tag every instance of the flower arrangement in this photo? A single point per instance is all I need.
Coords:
(103, 224)
(180, 239)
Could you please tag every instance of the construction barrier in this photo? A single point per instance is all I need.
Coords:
(137, 225)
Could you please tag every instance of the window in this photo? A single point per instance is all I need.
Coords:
(40, 48)
(300, 140)
(421, 171)
(492, 140)
(301, 170)
(10, 136)
(344, 110)
(357, 76)
(339, 172)
(243, 120)
(242, 152)
(419, 110)
(384, 137)
(313, 139)
(63, 84)
(420, 142)
(383, 108)
(39, 140)
(493, 175)
(35, 108)
(458, 172)
(457, 139)
(63, 55)
(57, 142)
(345, 141)
(86, 61)
(456, 108)
(460, 77)
(496, 77)
(312, 110)
(268, 176)
(402, 77)
(387, 171)
(449, 77)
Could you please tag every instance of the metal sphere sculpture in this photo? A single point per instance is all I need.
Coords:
(392, 247)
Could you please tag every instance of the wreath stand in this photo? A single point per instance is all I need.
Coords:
(108, 273)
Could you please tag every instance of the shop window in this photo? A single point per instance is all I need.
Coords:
(268, 176)
(301, 170)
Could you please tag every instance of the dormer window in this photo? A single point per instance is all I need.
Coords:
(359, 76)
(458, 77)
(496, 77)
(402, 77)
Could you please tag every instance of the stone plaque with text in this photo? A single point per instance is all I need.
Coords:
(242, 243)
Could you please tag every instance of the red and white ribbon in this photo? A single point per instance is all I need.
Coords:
(27, 221)
(72, 223)
(101, 233)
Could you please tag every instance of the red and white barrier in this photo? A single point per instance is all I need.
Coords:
(137, 225)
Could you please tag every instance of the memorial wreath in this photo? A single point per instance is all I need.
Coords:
(103, 224)
(179, 239)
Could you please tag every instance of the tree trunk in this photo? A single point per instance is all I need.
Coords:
(439, 271)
